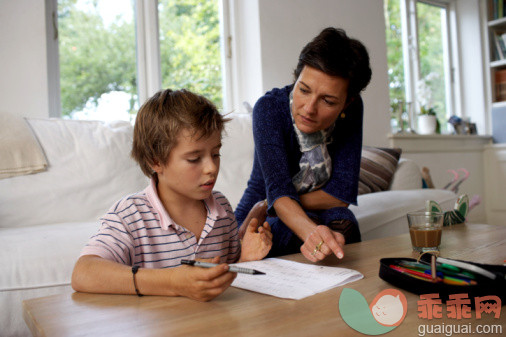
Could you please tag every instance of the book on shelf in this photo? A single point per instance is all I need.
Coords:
(497, 8)
(500, 85)
(500, 45)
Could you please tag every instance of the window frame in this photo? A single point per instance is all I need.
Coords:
(410, 38)
(53, 59)
(149, 72)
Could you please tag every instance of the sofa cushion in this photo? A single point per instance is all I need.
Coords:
(377, 168)
(42, 256)
(237, 154)
(407, 176)
(89, 169)
(37, 261)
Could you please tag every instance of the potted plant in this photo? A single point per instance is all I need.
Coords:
(428, 123)
(427, 120)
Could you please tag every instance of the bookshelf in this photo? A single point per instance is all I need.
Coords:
(496, 24)
(494, 156)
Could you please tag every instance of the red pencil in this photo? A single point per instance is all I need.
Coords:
(412, 272)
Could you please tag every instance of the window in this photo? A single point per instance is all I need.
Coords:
(98, 78)
(420, 63)
(190, 46)
(113, 55)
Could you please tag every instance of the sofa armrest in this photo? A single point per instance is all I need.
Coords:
(407, 176)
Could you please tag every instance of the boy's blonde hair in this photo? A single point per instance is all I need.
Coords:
(160, 120)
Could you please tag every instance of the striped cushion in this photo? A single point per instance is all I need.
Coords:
(377, 168)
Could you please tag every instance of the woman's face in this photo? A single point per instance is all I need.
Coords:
(318, 100)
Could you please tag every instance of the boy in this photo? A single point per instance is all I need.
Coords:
(177, 140)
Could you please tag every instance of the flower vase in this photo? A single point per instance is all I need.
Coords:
(427, 124)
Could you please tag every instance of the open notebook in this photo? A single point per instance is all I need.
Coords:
(292, 280)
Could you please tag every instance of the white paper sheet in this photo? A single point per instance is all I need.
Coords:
(293, 280)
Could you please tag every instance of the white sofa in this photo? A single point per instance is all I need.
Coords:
(47, 217)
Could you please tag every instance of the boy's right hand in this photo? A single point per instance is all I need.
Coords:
(203, 284)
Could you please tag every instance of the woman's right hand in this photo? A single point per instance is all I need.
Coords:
(202, 284)
(259, 212)
(322, 242)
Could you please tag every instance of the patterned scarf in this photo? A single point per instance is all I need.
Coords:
(315, 163)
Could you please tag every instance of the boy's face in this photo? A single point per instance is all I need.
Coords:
(192, 168)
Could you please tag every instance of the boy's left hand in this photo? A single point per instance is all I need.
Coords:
(257, 241)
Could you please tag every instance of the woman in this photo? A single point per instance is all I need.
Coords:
(308, 141)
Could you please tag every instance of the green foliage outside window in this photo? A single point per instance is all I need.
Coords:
(430, 56)
(190, 47)
(98, 58)
(94, 58)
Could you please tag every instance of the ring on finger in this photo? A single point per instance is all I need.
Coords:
(319, 246)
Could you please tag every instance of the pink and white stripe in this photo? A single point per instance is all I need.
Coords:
(137, 230)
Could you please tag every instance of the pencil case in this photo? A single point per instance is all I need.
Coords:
(483, 286)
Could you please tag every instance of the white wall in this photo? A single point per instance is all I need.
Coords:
(287, 25)
(23, 60)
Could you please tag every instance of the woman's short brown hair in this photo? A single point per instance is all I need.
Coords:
(336, 54)
(160, 120)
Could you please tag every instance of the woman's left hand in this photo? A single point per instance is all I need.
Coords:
(321, 243)
(257, 241)
(259, 212)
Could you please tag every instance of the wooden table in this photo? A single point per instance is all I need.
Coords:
(242, 313)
